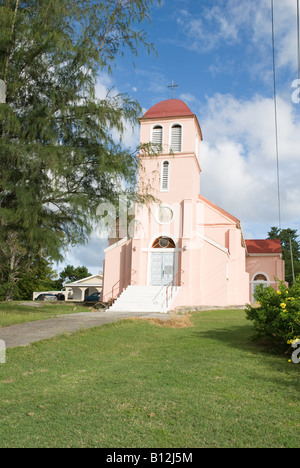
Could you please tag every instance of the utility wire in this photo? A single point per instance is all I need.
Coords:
(276, 115)
(292, 261)
(298, 36)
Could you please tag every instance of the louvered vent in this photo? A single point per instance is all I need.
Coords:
(165, 176)
(176, 139)
(157, 137)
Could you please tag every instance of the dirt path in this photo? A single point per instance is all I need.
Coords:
(26, 333)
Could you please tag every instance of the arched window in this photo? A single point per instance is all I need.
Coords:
(165, 175)
(259, 280)
(260, 277)
(163, 243)
(176, 138)
(157, 137)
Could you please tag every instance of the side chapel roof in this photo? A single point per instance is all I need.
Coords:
(264, 246)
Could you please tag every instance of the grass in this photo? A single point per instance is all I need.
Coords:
(137, 384)
(12, 313)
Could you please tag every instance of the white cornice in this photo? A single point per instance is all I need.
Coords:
(214, 243)
(111, 247)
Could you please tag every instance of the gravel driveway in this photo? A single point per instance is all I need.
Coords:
(26, 333)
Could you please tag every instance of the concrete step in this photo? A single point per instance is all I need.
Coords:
(143, 299)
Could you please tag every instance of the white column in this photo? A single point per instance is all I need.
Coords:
(82, 293)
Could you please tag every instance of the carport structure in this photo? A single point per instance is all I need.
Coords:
(79, 290)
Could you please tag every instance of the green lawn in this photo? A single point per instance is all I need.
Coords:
(136, 384)
(12, 313)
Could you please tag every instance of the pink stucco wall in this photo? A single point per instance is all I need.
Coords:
(117, 268)
(212, 277)
(272, 266)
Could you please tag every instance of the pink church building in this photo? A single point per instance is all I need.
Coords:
(181, 250)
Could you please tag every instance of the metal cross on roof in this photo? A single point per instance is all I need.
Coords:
(173, 85)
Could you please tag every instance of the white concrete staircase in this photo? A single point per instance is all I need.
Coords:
(144, 299)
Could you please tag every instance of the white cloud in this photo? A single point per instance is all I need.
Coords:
(215, 25)
(238, 158)
(189, 98)
(103, 86)
(228, 24)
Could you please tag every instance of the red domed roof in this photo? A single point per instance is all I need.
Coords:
(169, 108)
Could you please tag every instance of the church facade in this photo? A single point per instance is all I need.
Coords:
(182, 249)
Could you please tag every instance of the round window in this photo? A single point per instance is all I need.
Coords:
(163, 243)
(165, 215)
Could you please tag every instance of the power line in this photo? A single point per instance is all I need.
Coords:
(276, 115)
(298, 36)
(292, 260)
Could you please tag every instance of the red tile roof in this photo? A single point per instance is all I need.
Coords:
(267, 246)
(169, 108)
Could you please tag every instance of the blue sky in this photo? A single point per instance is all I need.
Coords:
(219, 52)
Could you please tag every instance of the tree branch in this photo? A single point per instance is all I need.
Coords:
(12, 34)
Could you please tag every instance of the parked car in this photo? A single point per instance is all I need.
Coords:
(95, 297)
(46, 297)
(60, 297)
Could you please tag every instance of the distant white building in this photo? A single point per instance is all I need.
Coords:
(79, 290)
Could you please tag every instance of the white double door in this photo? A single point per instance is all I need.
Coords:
(162, 268)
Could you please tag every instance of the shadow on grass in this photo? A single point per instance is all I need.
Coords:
(243, 338)
(238, 336)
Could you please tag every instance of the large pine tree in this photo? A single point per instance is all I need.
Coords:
(58, 159)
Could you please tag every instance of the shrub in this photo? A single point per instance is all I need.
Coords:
(278, 312)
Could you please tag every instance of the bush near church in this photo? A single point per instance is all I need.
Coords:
(278, 313)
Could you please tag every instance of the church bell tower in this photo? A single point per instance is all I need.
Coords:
(173, 131)
(170, 173)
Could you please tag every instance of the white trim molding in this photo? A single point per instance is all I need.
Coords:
(111, 247)
(214, 243)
